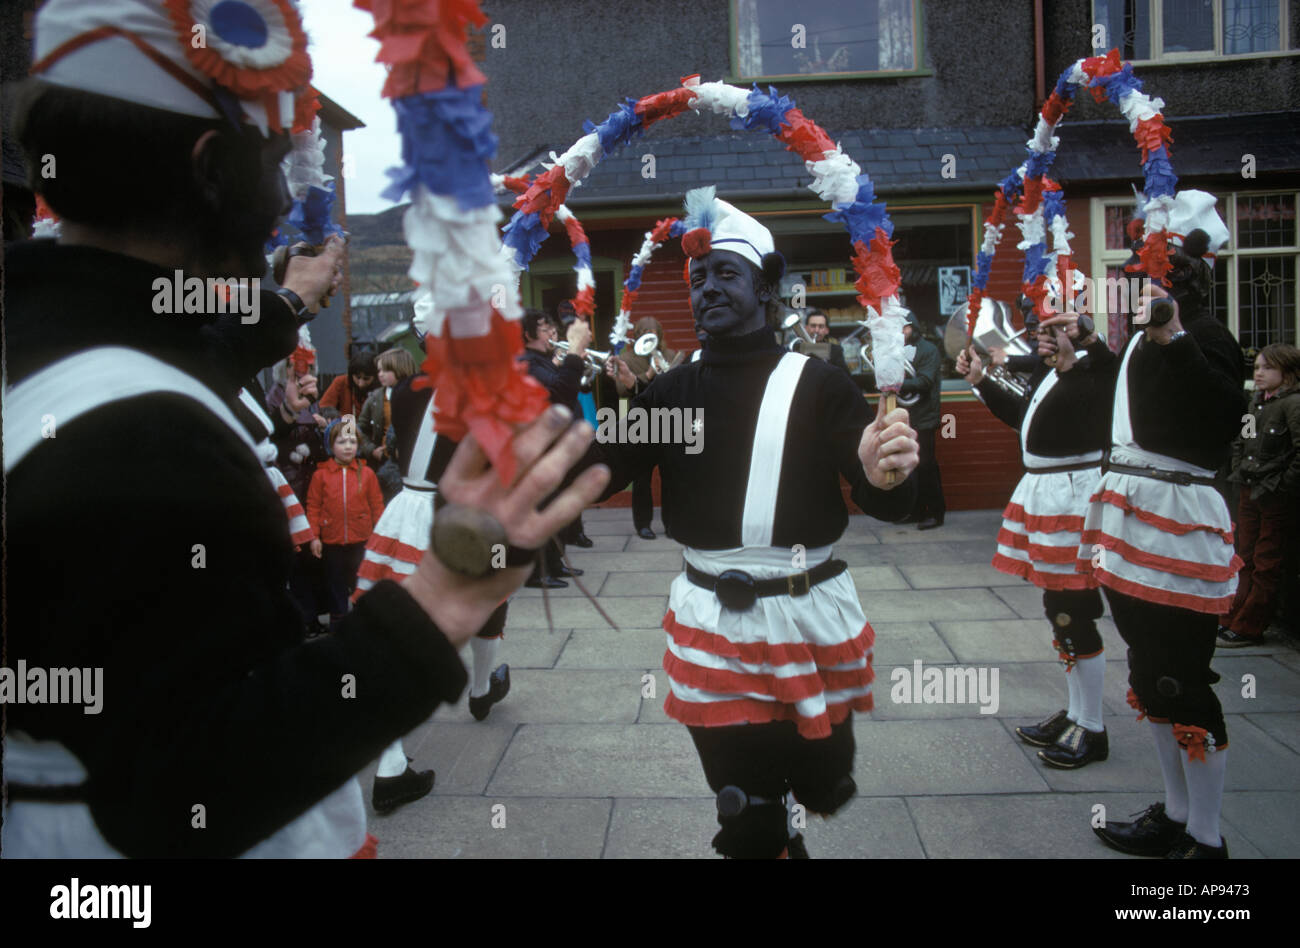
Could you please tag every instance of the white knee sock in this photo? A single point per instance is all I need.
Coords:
(1205, 796)
(392, 762)
(1091, 675)
(1171, 766)
(1072, 684)
(485, 653)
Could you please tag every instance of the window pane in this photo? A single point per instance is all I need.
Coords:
(1128, 26)
(823, 37)
(1188, 25)
(1117, 218)
(1266, 220)
(1266, 301)
(1251, 26)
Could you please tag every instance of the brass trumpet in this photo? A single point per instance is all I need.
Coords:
(993, 329)
(647, 346)
(594, 360)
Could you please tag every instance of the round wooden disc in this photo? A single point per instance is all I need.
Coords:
(464, 539)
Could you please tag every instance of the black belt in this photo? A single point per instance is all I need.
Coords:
(737, 590)
(32, 793)
(1062, 468)
(431, 489)
(1169, 477)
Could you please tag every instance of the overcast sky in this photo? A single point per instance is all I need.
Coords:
(344, 68)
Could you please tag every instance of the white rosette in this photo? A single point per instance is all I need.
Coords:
(887, 344)
(304, 166)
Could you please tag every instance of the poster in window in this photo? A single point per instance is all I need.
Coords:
(954, 287)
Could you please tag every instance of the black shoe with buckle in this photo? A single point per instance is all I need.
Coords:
(584, 541)
(1045, 733)
(570, 571)
(391, 792)
(1151, 834)
(1076, 748)
(498, 688)
(930, 523)
(546, 582)
(645, 533)
(1189, 847)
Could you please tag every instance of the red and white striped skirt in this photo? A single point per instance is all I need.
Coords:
(300, 530)
(1165, 543)
(805, 659)
(1042, 528)
(399, 540)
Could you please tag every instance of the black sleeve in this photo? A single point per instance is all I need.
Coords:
(626, 462)
(565, 381)
(209, 695)
(837, 359)
(847, 415)
(244, 349)
(1006, 407)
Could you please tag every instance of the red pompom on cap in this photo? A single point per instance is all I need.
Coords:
(697, 243)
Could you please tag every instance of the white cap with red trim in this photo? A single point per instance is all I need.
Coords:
(184, 56)
(726, 228)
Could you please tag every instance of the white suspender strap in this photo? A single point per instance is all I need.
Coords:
(258, 411)
(769, 450)
(88, 380)
(426, 439)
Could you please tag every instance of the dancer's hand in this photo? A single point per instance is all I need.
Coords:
(888, 444)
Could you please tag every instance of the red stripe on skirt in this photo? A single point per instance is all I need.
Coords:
(369, 849)
(770, 653)
(753, 711)
(1214, 607)
(1166, 564)
(1006, 564)
(1039, 553)
(387, 546)
(1057, 523)
(1177, 528)
(787, 690)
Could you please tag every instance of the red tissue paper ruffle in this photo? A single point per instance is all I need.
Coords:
(1037, 291)
(247, 82)
(629, 300)
(1153, 258)
(302, 359)
(1153, 134)
(305, 107)
(544, 195)
(664, 105)
(516, 183)
(1031, 197)
(878, 275)
(973, 311)
(483, 389)
(1055, 107)
(804, 137)
(1100, 66)
(424, 43)
(696, 243)
(662, 230)
(573, 227)
(584, 304)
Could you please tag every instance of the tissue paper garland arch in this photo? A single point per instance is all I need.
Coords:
(654, 239)
(584, 302)
(835, 177)
(1041, 204)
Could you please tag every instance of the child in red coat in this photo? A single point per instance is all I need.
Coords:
(343, 505)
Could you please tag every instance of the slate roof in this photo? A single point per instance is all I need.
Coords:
(909, 161)
(749, 163)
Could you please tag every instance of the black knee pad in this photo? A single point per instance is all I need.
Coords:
(827, 801)
(1168, 686)
(752, 828)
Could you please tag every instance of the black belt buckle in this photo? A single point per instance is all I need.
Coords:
(735, 590)
(799, 584)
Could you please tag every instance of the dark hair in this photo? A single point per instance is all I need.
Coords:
(532, 322)
(121, 165)
(1284, 358)
(362, 363)
(815, 312)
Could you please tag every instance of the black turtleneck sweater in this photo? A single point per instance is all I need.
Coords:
(209, 694)
(704, 493)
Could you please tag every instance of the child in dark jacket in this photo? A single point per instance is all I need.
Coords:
(343, 506)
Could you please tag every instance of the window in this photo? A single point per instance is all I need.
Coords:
(772, 39)
(1254, 291)
(1173, 30)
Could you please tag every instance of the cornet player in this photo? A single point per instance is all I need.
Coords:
(1064, 426)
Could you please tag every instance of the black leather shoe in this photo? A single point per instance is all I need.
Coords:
(391, 792)
(1045, 733)
(498, 688)
(546, 582)
(1151, 834)
(1188, 847)
(796, 848)
(583, 541)
(1230, 639)
(1076, 748)
(930, 523)
(570, 571)
(645, 533)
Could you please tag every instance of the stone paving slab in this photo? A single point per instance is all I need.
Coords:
(1283, 727)
(570, 696)
(593, 579)
(998, 640)
(869, 578)
(1277, 688)
(590, 760)
(525, 646)
(957, 553)
(652, 709)
(462, 754)
(638, 584)
(665, 561)
(630, 612)
(939, 757)
(451, 827)
(951, 575)
(1024, 599)
(899, 643)
(1268, 820)
(1131, 766)
(662, 829)
(605, 648)
(933, 604)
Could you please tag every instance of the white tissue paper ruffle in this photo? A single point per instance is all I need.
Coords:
(887, 344)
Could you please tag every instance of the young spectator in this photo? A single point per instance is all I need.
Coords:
(1266, 462)
(342, 398)
(343, 506)
(377, 419)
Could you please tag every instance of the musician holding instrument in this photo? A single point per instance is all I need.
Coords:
(816, 340)
(1063, 416)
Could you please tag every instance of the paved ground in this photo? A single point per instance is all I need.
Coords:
(585, 767)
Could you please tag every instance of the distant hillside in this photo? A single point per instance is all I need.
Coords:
(378, 257)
